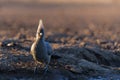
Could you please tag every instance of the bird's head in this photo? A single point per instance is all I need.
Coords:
(40, 30)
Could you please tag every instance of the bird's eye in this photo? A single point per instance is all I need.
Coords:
(40, 33)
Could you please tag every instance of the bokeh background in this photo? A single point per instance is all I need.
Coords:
(78, 15)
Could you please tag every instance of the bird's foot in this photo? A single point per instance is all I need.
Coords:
(45, 69)
(35, 69)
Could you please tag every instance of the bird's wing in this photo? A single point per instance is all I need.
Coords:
(49, 48)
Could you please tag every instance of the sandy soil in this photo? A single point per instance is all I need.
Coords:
(85, 40)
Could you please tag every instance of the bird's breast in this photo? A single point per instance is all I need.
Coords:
(39, 52)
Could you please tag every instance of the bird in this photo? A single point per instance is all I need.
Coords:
(41, 50)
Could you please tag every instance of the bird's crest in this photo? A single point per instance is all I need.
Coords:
(40, 26)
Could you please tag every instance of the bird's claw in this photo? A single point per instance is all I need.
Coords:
(35, 70)
(45, 69)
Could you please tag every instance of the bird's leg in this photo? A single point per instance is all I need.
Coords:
(45, 69)
(35, 68)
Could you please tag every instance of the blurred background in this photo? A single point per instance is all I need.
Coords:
(59, 7)
(93, 15)
(34, 7)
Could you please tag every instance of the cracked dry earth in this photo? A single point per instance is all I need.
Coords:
(79, 52)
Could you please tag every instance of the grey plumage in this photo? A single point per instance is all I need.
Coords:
(40, 49)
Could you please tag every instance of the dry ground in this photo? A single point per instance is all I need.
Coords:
(85, 39)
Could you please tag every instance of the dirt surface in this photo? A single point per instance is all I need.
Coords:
(85, 41)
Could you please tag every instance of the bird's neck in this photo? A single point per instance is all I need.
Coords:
(40, 39)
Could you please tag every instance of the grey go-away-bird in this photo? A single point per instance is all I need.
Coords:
(40, 49)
